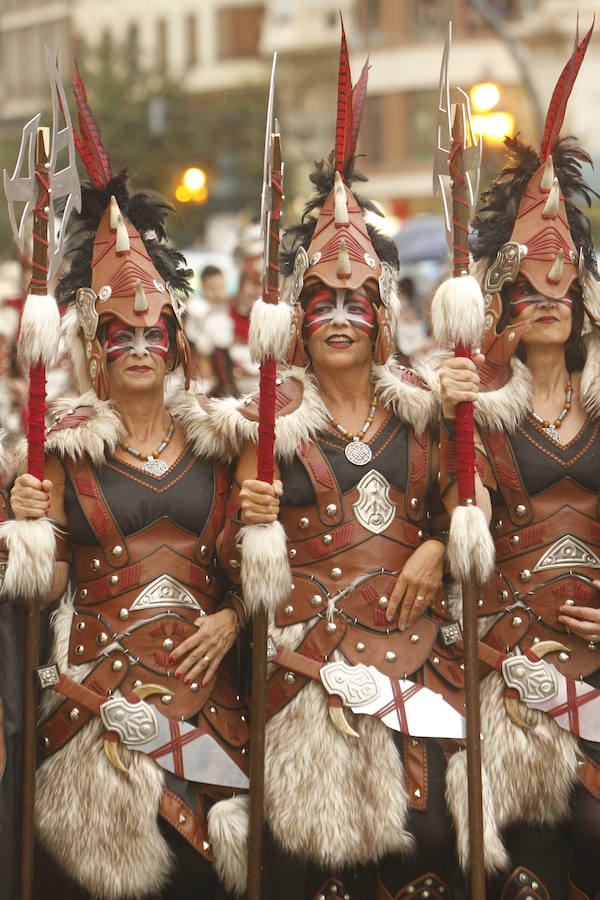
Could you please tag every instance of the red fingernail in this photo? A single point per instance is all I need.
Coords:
(204, 683)
(186, 680)
(171, 660)
(177, 674)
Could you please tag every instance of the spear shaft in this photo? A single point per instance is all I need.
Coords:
(264, 472)
(35, 465)
(465, 455)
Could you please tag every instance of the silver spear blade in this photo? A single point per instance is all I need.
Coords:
(471, 147)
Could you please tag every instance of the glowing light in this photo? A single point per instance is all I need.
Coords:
(183, 193)
(494, 126)
(484, 96)
(194, 179)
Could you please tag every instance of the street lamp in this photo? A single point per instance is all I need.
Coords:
(192, 187)
(491, 123)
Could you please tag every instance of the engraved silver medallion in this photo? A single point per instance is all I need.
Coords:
(155, 467)
(552, 433)
(358, 453)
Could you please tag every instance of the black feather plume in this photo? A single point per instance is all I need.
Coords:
(495, 220)
(146, 211)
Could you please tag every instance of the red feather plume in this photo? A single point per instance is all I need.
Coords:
(89, 144)
(359, 95)
(562, 91)
(350, 103)
(343, 125)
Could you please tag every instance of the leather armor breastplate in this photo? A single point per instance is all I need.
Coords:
(346, 549)
(546, 529)
(139, 594)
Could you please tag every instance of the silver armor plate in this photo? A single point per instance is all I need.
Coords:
(354, 684)
(165, 591)
(567, 551)
(374, 509)
(535, 681)
(135, 723)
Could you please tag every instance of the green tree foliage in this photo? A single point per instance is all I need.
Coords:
(151, 124)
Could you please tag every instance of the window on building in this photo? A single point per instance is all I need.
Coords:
(372, 136)
(162, 36)
(132, 44)
(420, 125)
(191, 40)
(105, 47)
(426, 17)
(238, 31)
(502, 9)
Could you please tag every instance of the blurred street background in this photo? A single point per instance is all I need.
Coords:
(179, 90)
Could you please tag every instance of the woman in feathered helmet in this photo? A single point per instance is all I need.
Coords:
(352, 808)
(136, 486)
(537, 399)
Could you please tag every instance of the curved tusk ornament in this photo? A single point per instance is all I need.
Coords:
(336, 714)
(111, 751)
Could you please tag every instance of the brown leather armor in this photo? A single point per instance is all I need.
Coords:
(137, 599)
(347, 549)
(547, 553)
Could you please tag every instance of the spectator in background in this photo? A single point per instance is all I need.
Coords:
(217, 327)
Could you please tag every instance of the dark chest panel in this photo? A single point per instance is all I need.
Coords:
(390, 450)
(542, 463)
(136, 500)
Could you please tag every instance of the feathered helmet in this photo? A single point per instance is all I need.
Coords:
(122, 266)
(338, 247)
(528, 224)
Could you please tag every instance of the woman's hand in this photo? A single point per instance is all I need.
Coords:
(459, 382)
(584, 621)
(260, 501)
(30, 497)
(200, 655)
(417, 584)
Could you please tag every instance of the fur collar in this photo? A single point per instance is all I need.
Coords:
(99, 434)
(508, 406)
(405, 392)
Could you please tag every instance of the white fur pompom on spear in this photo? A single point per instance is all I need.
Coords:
(458, 317)
(31, 544)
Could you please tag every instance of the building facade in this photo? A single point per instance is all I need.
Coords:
(227, 45)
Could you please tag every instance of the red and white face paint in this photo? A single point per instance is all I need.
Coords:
(121, 339)
(339, 307)
(525, 295)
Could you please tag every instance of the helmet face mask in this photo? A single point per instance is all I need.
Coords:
(127, 287)
(529, 227)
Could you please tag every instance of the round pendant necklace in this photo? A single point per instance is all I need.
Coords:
(152, 465)
(356, 451)
(551, 428)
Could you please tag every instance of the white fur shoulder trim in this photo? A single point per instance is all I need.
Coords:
(96, 435)
(291, 430)
(589, 389)
(409, 393)
(507, 406)
(406, 392)
(100, 432)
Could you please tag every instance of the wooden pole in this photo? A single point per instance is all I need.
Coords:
(466, 490)
(39, 285)
(265, 468)
(257, 753)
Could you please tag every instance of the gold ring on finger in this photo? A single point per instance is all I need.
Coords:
(594, 638)
(206, 659)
